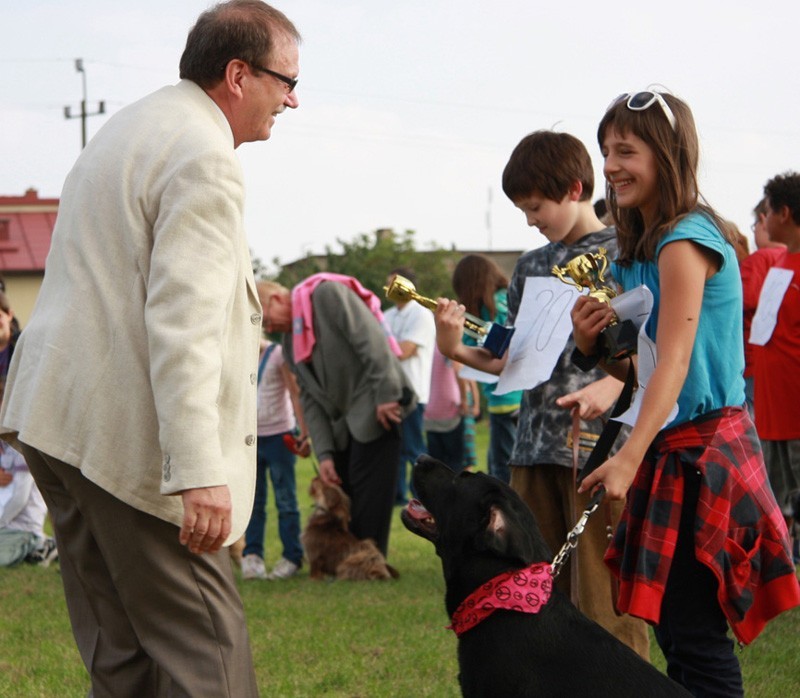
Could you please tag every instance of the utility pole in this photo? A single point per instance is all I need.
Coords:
(101, 109)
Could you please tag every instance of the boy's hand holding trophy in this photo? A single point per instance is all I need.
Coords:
(488, 335)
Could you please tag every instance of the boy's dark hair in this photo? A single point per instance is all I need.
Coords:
(243, 29)
(600, 208)
(784, 190)
(548, 163)
(760, 208)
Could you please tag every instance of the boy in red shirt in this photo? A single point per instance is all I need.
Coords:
(777, 362)
(754, 269)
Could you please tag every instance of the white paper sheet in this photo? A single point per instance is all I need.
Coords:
(769, 302)
(473, 374)
(636, 305)
(543, 326)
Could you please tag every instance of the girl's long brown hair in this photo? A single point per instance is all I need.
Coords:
(475, 280)
(676, 153)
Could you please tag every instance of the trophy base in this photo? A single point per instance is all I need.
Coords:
(498, 339)
(617, 342)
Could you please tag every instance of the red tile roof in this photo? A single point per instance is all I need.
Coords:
(26, 228)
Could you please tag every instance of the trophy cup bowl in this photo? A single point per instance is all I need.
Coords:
(488, 335)
(587, 271)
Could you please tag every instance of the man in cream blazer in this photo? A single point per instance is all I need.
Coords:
(132, 391)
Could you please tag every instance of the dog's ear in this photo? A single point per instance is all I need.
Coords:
(507, 537)
(497, 521)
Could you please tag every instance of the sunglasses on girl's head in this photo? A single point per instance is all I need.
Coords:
(641, 101)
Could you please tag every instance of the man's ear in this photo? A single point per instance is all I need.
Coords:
(236, 72)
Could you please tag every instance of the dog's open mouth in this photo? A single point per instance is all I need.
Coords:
(418, 511)
(419, 520)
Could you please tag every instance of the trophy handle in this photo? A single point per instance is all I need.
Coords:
(401, 290)
(563, 274)
(601, 256)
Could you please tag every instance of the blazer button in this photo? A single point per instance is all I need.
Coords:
(167, 470)
(255, 318)
(253, 378)
(250, 439)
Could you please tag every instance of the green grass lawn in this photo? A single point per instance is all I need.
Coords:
(323, 638)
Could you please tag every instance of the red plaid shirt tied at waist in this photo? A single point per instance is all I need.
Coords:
(740, 532)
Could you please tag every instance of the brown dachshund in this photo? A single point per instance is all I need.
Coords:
(332, 550)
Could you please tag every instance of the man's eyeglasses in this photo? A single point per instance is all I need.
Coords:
(291, 83)
(641, 101)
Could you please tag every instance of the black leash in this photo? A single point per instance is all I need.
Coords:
(602, 448)
(596, 458)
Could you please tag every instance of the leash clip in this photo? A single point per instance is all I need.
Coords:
(572, 537)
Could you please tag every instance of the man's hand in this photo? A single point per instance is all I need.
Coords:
(327, 471)
(206, 518)
(389, 413)
(6, 478)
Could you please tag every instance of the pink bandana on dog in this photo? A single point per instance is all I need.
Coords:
(525, 590)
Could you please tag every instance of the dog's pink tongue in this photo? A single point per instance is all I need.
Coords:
(417, 511)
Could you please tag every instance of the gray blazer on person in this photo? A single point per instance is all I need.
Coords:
(352, 370)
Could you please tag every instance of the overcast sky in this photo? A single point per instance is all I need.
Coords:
(409, 109)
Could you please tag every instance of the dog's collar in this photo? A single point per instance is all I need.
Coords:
(526, 590)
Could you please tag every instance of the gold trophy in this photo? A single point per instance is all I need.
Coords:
(488, 335)
(619, 339)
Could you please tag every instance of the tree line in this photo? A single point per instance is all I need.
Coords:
(370, 259)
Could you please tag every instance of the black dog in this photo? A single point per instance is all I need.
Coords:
(482, 529)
